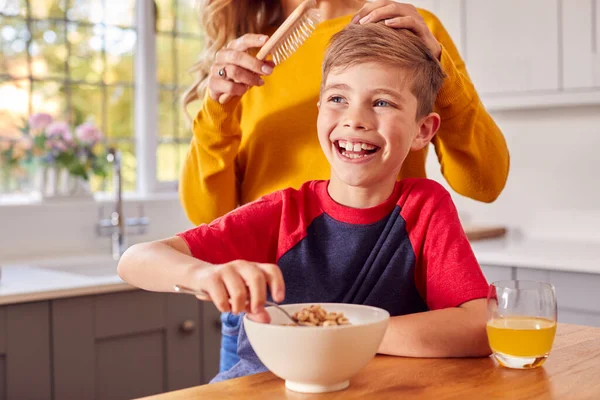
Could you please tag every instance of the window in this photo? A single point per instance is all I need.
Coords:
(75, 59)
(178, 45)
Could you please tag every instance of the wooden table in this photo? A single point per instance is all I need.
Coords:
(571, 372)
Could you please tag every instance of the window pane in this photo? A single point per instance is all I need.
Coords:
(86, 11)
(165, 17)
(120, 12)
(187, 17)
(120, 51)
(14, 104)
(86, 104)
(166, 122)
(169, 158)
(49, 97)
(13, 8)
(13, 47)
(187, 54)
(48, 49)
(120, 112)
(42, 9)
(85, 62)
(164, 53)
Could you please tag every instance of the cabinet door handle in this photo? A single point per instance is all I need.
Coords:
(218, 324)
(187, 326)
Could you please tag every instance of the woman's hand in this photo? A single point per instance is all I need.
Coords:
(240, 286)
(235, 71)
(399, 15)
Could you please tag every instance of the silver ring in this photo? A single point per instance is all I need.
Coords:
(222, 73)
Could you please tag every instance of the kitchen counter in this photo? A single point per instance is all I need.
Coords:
(570, 373)
(45, 279)
(518, 251)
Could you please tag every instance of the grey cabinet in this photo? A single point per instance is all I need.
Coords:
(497, 273)
(130, 344)
(25, 351)
(112, 346)
(577, 294)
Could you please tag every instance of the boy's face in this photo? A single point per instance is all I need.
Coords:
(367, 123)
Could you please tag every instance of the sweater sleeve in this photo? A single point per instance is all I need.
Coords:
(469, 145)
(208, 186)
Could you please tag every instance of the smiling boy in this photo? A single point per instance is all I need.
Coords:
(361, 237)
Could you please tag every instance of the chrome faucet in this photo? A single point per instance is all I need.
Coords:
(116, 226)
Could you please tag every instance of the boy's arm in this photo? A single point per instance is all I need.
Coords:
(470, 147)
(158, 266)
(232, 258)
(208, 183)
(449, 280)
(451, 332)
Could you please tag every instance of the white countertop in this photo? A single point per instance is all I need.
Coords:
(517, 251)
(45, 279)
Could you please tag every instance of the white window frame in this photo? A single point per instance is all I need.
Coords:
(146, 104)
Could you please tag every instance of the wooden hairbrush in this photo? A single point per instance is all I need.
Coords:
(289, 36)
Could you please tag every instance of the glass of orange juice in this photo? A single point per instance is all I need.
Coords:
(522, 322)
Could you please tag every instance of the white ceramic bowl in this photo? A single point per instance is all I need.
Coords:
(318, 359)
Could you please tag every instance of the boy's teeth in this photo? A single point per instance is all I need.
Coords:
(355, 146)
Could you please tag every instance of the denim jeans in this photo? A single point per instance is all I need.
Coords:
(230, 329)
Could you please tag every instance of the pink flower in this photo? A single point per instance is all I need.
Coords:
(39, 121)
(59, 130)
(88, 133)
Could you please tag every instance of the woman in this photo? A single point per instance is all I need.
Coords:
(264, 138)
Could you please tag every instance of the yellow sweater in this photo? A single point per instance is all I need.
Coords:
(267, 140)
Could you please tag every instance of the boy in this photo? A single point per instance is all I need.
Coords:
(360, 237)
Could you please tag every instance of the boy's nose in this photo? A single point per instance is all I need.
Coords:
(357, 119)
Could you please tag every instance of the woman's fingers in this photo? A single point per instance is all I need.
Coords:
(399, 16)
(248, 41)
(406, 23)
(244, 60)
(389, 11)
(237, 75)
(217, 86)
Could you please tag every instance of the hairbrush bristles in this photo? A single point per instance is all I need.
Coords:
(298, 34)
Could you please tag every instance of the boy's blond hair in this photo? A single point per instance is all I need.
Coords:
(376, 42)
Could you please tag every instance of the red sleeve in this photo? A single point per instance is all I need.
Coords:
(451, 273)
(247, 233)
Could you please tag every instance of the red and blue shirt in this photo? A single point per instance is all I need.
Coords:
(406, 255)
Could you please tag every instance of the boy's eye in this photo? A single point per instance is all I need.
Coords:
(336, 99)
(382, 103)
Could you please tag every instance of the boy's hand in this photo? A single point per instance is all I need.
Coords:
(241, 285)
(399, 15)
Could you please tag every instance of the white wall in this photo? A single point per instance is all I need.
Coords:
(553, 188)
(67, 228)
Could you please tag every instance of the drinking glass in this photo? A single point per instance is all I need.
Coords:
(522, 322)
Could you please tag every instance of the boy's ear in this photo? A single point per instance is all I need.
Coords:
(428, 126)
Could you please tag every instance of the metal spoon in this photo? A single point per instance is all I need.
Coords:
(203, 294)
